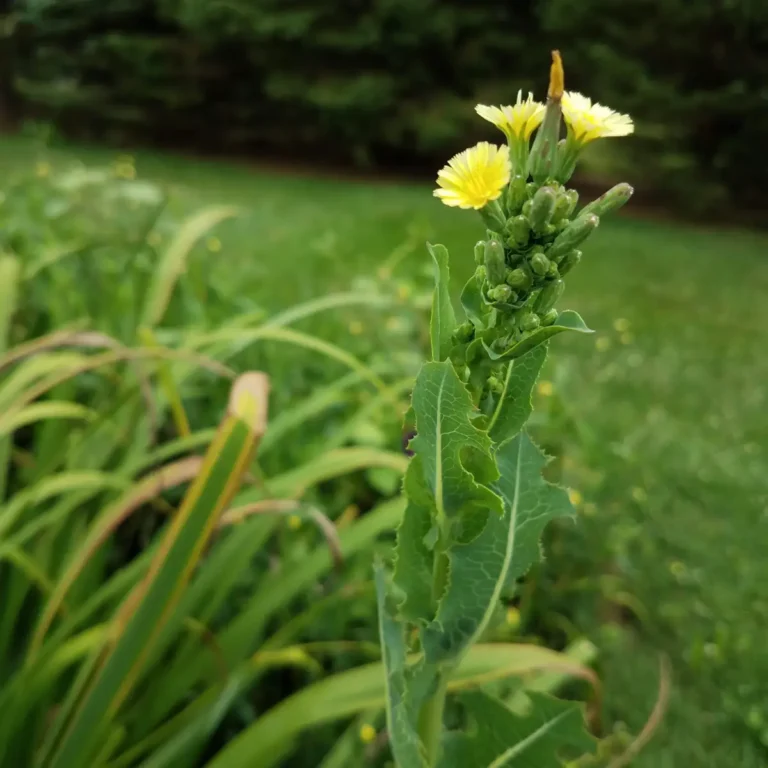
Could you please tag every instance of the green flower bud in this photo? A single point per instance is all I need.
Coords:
(548, 296)
(495, 385)
(549, 317)
(543, 157)
(518, 230)
(526, 210)
(519, 279)
(553, 271)
(480, 275)
(479, 252)
(539, 264)
(500, 293)
(569, 262)
(562, 206)
(612, 200)
(494, 262)
(531, 189)
(573, 198)
(542, 209)
(574, 234)
(515, 195)
(464, 333)
(529, 322)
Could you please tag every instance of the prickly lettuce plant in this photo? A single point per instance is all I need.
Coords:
(476, 499)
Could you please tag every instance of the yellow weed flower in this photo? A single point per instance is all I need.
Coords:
(587, 121)
(518, 120)
(474, 177)
(367, 733)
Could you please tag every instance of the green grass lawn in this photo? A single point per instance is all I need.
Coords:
(665, 410)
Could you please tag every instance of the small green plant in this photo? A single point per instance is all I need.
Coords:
(477, 503)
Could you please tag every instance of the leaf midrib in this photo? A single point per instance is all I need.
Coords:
(521, 746)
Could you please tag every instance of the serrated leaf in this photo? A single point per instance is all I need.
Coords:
(499, 738)
(443, 320)
(413, 558)
(445, 439)
(514, 405)
(566, 321)
(535, 501)
(505, 549)
(402, 711)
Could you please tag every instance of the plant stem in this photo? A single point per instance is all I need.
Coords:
(431, 720)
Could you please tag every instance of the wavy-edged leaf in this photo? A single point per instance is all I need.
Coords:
(496, 737)
(402, 709)
(443, 320)
(445, 440)
(505, 549)
(413, 558)
(472, 302)
(264, 743)
(514, 404)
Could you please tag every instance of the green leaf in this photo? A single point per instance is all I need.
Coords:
(514, 404)
(566, 321)
(472, 302)
(264, 743)
(106, 681)
(445, 440)
(505, 549)
(499, 738)
(535, 501)
(402, 709)
(443, 320)
(413, 558)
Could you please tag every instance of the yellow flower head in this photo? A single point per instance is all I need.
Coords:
(517, 121)
(474, 177)
(588, 121)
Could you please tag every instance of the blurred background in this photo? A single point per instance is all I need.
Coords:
(286, 148)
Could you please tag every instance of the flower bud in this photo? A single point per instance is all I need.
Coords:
(518, 230)
(529, 322)
(543, 157)
(569, 262)
(562, 206)
(495, 385)
(516, 195)
(500, 293)
(548, 296)
(553, 271)
(480, 275)
(542, 209)
(526, 209)
(464, 333)
(575, 234)
(610, 201)
(494, 262)
(479, 252)
(549, 317)
(519, 279)
(539, 264)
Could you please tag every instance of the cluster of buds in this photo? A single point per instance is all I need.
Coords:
(534, 230)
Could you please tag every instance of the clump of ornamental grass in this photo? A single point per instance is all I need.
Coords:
(476, 500)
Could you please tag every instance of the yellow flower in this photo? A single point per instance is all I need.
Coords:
(294, 522)
(474, 177)
(545, 388)
(518, 120)
(588, 121)
(367, 733)
(513, 617)
(213, 244)
(125, 171)
(575, 497)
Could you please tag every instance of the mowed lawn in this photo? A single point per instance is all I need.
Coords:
(664, 411)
